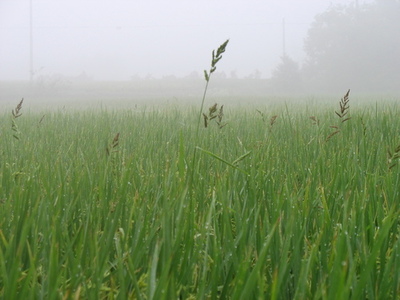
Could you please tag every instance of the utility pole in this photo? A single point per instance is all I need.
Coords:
(30, 43)
(283, 37)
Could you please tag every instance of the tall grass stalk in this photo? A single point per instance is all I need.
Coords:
(215, 58)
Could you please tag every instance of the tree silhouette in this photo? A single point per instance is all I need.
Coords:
(355, 46)
(286, 77)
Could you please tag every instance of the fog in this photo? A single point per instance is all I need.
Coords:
(115, 40)
(67, 41)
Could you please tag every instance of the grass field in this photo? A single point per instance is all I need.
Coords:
(283, 202)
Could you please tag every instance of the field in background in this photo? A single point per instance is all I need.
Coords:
(125, 93)
(284, 201)
(78, 95)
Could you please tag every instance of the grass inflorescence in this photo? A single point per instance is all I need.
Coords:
(16, 113)
(342, 114)
(214, 114)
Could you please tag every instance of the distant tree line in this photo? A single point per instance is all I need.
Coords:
(353, 46)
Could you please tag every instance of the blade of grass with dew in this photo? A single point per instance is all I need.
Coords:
(223, 160)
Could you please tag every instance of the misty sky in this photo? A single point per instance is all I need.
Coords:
(115, 40)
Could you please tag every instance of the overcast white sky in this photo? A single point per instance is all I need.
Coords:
(118, 39)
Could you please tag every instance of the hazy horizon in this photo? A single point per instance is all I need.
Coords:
(119, 40)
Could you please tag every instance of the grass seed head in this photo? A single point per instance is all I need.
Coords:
(215, 58)
(315, 120)
(344, 107)
(344, 110)
(17, 111)
(214, 114)
(205, 120)
(213, 109)
(273, 120)
(114, 144)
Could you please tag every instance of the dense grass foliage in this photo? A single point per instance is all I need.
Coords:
(273, 207)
